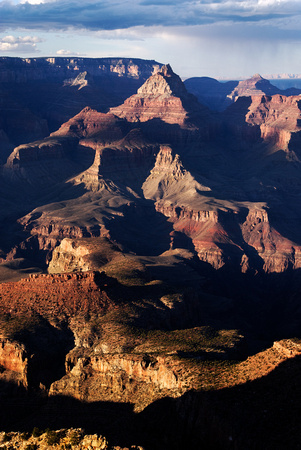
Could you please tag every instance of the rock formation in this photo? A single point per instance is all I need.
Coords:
(253, 86)
(169, 242)
(163, 96)
(50, 439)
(219, 95)
(182, 182)
(39, 94)
(82, 80)
(93, 126)
(21, 70)
(18, 124)
(54, 294)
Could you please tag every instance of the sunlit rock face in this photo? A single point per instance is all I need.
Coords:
(155, 249)
(163, 96)
(208, 176)
(21, 70)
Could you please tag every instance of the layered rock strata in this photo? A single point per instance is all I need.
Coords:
(44, 150)
(14, 361)
(119, 377)
(211, 204)
(274, 119)
(22, 70)
(163, 96)
(53, 295)
(69, 256)
(214, 242)
(253, 86)
(125, 163)
(94, 128)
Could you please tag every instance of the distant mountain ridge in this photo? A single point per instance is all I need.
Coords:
(256, 85)
(219, 95)
(268, 76)
(42, 93)
(283, 76)
(20, 70)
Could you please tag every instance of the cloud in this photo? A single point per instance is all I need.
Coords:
(63, 52)
(33, 2)
(124, 14)
(130, 34)
(19, 44)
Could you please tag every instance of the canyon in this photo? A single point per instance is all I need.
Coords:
(150, 254)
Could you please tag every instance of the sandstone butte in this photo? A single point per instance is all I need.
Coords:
(163, 96)
(252, 87)
(170, 236)
(124, 157)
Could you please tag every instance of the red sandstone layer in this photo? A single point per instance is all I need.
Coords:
(56, 295)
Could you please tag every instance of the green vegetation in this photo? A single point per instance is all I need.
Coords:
(31, 447)
(52, 437)
(75, 437)
(25, 435)
(128, 271)
(14, 326)
(6, 438)
(36, 432)
(44, 438)
(190, 341)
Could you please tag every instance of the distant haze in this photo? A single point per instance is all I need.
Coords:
(286, 83)
(281, 83)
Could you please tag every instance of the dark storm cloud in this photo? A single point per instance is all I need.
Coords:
(104, 15)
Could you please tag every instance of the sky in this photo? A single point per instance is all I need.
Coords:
(215, 38)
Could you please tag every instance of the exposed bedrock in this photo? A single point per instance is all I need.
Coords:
(222, 232)
(70, 256)
(246, 239)
(277, 110)
(277, 252)
(44, 163)
(44, 150)
(95, 128)
(14, 358)
(254, 86)
(53, 296)
(165, 110)
(46, 235)
(119, 377)
(124, 163)
(200, 188)
(274, 120)
(33, 360)
(161, 97)
(46, 316)
(22, 70)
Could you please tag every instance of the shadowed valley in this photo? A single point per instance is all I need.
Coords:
(150, 256)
